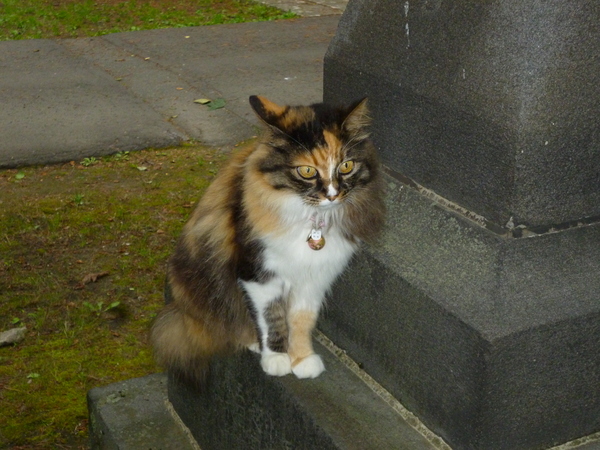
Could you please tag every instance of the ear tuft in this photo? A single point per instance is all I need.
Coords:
(266, 110)
(358, 119)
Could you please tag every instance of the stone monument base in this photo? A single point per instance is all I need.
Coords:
(493, 341)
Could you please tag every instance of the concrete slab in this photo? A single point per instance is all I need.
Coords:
(281, 60)
(66, 99)
(55, 107)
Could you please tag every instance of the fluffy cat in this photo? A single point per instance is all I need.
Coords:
(265, 243)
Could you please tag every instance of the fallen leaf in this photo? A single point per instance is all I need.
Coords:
(202, 101)
(142, 168)
(20, 176)
(93, 277)
(217, 103)
(90, 278)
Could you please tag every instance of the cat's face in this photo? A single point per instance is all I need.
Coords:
(326, 173)
(322, 154)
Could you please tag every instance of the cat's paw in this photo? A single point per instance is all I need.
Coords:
(310, 367)
(276, 364)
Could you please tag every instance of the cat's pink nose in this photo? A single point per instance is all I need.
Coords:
(332, 193)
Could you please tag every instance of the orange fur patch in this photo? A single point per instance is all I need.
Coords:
(211, 220)
(333, 142)
(295, 117)
(301, 325)
(260, 197)
(271, 107)
(322, 157)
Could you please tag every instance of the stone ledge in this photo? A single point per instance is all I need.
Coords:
(133, 415)
(245, 409)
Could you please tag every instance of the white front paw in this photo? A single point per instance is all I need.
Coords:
(310, 367)
(276, 364)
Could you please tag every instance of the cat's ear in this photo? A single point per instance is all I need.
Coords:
(266, 110)
(357, 120)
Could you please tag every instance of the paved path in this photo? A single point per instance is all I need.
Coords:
(71, 98)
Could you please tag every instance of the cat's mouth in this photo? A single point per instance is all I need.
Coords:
(327, 203)
(324, 201)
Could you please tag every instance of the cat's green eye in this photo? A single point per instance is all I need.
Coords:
(346, 167)
(307, 172)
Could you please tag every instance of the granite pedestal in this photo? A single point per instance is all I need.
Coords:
(480, 308)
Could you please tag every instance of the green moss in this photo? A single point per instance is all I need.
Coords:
(124, 222)
(27, 19)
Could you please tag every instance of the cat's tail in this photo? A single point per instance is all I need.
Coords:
(182, 345)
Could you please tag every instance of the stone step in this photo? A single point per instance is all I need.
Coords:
(341, 409)
(245, 409)
(134, 415)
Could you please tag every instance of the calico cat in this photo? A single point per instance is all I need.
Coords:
(264, 245)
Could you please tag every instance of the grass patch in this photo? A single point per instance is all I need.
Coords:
(34, 19)
(61, 228)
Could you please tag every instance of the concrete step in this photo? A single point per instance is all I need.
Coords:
(245, 409)
(135, 414)
(341, 409)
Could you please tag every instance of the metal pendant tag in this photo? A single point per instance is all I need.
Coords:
(315, 240)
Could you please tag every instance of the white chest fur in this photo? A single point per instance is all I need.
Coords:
(307, 274)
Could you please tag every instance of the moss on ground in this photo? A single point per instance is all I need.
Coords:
(114, 219)
(35, 19)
